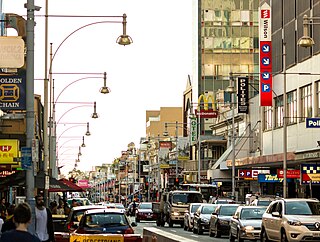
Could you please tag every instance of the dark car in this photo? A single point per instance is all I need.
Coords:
(202, 216)
(130, 211)
(144, 212)
(220, 219)
(104, 222)
(246, 223)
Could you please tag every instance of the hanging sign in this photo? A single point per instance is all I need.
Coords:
(243, 95)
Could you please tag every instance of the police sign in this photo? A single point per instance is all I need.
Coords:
(313, 123)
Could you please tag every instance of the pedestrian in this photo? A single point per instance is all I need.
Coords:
(74, 203)
(43, 221)
(22, 218)
(3, 208)
(9, 222)
(60, 209)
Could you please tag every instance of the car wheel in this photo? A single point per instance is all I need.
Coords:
(283, 236)
(218, 233)
(200, 231)
(239, 238)
(264, 236)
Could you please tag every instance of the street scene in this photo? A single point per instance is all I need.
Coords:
(159, 120)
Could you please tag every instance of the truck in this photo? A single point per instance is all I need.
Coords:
(173, 205)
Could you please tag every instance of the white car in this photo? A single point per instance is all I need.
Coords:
(188, 216)
(291, 219)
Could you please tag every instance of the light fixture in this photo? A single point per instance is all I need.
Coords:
(79, 154)
(88, 132)
(305, 41)
(83, 144)
(105, 89)
(94, 115)
(124, 39)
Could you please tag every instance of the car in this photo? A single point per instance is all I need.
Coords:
(144, 212)
(111, 222)
(201, 217)
(82, 201)
(220, 218)
(245, 224)
(130, 211)
(291, 219)
(224, 201)
(59, 222)
(262, 201)
(188, 216)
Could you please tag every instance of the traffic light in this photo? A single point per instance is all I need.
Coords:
(176, 182)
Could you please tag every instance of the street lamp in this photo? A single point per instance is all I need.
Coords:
(306, 41)
(231, 89)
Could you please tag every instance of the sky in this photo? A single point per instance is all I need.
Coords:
(150, 73)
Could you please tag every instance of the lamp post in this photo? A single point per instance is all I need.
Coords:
(231, 89)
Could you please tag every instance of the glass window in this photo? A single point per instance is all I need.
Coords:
(268, 118)
(292, 107)
(145, 206)
(228, 210)
(302, 208)
(279, 111)
(306, 102)
(194, 208)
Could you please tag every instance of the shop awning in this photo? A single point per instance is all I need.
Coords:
(71, 185)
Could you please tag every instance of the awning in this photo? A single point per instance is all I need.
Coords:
(218, 175)
(71, 185)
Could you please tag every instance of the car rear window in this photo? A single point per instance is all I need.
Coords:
(263, 202)
(194, 208)
(105, 220)
(228, 210)
(145, 206)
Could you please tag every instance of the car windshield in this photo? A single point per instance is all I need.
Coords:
(186, 198)
(263, 202)
(302, 208)
(119, 206)
(228, 210)
(207, 209)
(194, 208)
(105, 220)
(252, 213)
(145, 206)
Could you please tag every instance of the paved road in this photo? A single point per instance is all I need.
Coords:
(177, 230)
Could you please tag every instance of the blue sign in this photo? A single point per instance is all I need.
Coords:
(270, 178)
(265, 61)
(265, 75)
(265, 48)
(313, 123)
(26, 159)
(266, 87)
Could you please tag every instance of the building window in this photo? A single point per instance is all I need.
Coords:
(318, 98)
(292, 107)
(268, 118)
(306, 102)
(279, 111)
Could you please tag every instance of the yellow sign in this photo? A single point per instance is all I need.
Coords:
(96, 238)
(206, 99)
(164, 166)
(314, 177)
(9, 149)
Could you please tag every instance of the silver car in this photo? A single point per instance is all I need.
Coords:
(246, 223)
(202, 216)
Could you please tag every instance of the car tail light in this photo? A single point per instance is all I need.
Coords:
(70, 226)
(129, 231)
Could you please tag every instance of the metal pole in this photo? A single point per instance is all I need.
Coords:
(199, 150)
(285, 188)
(233, 144)
(30, 107)
(176, 150)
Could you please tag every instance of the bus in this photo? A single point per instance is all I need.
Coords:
(207, 190)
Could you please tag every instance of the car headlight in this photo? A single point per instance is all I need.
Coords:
(294, 222)
(205, 220)
(249, 228)
(223, 222)
(175, 213)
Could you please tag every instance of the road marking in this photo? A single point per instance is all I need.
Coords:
(194, 235)
(174, 231)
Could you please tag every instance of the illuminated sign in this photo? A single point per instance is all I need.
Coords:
(269, 178)
(9, 149)
(290, 173)
(193, 131)
(310, 173)
(206, 111)
(265, 55)
(243, 95)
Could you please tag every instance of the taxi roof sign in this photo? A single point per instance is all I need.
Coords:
(97, 238)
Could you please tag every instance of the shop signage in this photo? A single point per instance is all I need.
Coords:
(251, 174)
(312, 122)
(290, 173)
(26, 159)
(207, 111)
(11, 52)
(193, 131)
(9, 149)
(269, 178)
(243, 95)
(310, 173)
(265, 55)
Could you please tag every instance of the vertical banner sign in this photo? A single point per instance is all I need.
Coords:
(243, 93)
(265, 55)
(193, 131)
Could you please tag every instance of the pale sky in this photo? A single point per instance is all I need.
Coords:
(146, 75)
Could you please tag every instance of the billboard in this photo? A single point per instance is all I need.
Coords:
(183, 148)
(9, 149)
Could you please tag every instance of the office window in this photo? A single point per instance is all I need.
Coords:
(318, 98)
(268, 118)
(279, 111)
(306, 102)
(292, 107)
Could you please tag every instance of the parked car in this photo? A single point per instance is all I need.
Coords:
(111, 222)
(202, 216)
(220, 218)
(144, 212)
(291, 219)
(262, 201)
(222, 200)
(246, 223)
(188, 216)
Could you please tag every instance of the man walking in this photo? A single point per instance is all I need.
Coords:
(43, 221)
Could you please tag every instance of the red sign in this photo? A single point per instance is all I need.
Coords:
(245, 173)
(290, 173)
(203, 113)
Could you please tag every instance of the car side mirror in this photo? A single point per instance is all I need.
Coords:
(214, 213)
(235, 217)
(134, 224)
(276, 214)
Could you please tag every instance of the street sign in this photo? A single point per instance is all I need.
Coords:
(313, 123)
(26, 159)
